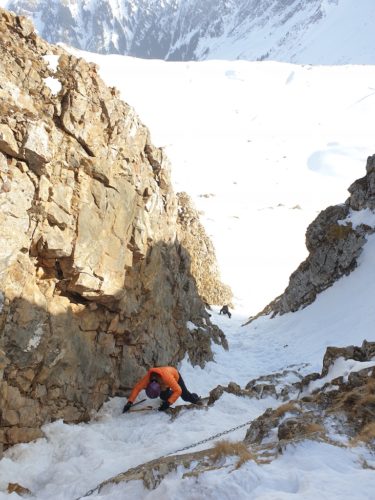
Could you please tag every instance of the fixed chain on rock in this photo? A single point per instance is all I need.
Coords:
(210, 438)
(91, 492)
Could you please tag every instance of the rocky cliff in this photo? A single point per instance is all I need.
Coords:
(193, 237)
(95, 282)
(334, 244)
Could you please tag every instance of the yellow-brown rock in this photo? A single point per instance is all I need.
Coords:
(96, 283)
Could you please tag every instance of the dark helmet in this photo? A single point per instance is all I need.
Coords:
(153, 389)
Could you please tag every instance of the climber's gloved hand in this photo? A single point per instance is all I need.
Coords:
(164, 406)
(127, 407)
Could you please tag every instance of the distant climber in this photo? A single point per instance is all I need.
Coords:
(164, 382)
(225, 310)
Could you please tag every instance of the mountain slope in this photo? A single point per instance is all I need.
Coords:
(307, 31)
(277, 136)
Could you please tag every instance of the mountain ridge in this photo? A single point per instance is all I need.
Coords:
(304, 32)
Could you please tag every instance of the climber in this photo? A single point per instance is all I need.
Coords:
(164, 382)
(225, 310)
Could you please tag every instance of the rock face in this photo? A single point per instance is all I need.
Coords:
(334, 245)
(193, 237)
(95, 285)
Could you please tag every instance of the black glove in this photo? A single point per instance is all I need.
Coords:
(127, 407)
(164, 406)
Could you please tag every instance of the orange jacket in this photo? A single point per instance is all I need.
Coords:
(168, 377)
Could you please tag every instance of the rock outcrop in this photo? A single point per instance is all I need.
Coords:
(95, 282)
(194, 239)
(334, 246)
(345, 404)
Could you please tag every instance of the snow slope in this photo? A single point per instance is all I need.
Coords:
(304, 32)
(260, 139)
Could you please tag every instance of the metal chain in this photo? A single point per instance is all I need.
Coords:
(210, 438)
(91, 492)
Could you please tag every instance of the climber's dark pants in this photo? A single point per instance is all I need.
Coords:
(191, 397)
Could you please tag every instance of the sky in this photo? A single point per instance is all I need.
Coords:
(261, 148)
